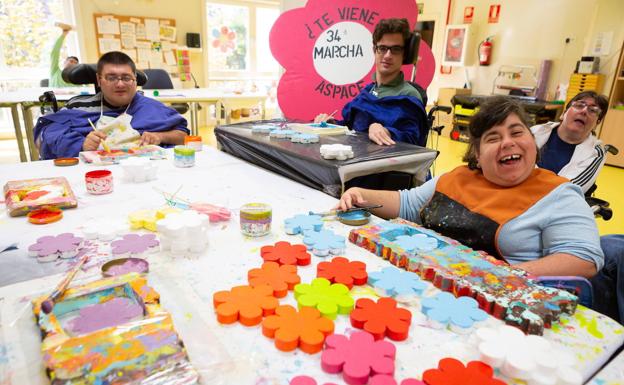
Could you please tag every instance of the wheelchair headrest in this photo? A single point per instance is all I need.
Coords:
(412, 45)
(87, 74)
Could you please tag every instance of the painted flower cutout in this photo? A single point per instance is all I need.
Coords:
(324, 242)
(358, 357)
(51, 247)
(341, 270)
(290, 328)
(245, 304)
(452, 372)
(224, 38)
(286, 254)
(458, 313)
(134, 244)
(381, 318)
(404, 286)
(329, 299)
(328, 56)
(280, 278)
(417, 242)
(303, 222)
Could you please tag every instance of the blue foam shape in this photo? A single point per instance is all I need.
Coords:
(262, 128)
(445, 309)
(416, 242)
(303, 222)
(282, 133)
(397, 283)
(324, 242)
(305, 138)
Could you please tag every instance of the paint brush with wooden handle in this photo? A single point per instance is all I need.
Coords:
(48, 304)
(104, 145)
(335, 212)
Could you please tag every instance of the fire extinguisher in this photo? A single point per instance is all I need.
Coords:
(485, 51)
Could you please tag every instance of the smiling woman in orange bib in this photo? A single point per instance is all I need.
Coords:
(500, 202)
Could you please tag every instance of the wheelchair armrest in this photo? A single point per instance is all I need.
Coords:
(579, 286)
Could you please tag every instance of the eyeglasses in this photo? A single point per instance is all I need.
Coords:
(580, 106)
(395, 49)
(126, 79)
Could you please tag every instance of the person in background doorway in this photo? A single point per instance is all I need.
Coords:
(569, 147)
(56, 79)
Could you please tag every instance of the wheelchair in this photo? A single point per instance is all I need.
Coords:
(600, 207)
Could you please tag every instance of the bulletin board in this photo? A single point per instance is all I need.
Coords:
(149, 41)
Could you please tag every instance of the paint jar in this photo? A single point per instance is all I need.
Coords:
(183, 156)
(99, 182)
(194, 142)
(255, 219)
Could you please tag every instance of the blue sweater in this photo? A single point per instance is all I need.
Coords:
(561, 222)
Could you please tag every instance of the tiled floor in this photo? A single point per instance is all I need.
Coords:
(610, 181)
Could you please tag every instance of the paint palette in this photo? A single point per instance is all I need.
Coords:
(23, 196)
(111, 331)
(501, 290)
(319, 128)
(115, 156)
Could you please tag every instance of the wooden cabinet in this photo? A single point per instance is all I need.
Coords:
(612, 131)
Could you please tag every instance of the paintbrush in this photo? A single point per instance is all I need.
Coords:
(331, 116)
(104, 145)
(48, 304)
(337, 211)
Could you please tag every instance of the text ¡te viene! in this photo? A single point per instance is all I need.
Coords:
(364, 15)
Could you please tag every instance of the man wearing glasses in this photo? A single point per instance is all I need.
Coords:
(389, 109)
(67, 132)
(569, 148)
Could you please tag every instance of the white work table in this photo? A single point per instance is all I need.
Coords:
(224, 354)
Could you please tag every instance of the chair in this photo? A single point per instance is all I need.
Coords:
(600, 207)
(159, 79)
(79, 74)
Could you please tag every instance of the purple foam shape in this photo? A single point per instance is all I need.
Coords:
(135, 244)
(115, 312)
(50, 247)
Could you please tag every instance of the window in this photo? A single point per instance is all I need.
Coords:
(27, 33)
(238, 39)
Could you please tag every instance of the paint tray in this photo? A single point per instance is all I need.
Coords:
(81, 346)
(23, 196)
(318, 128)
(115, 155)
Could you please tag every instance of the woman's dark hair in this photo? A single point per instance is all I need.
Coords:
(391, 26)
(115, 57)
(491, 112)
(600, 100)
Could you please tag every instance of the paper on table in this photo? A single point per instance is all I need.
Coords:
(152, 30)
(107, 25)
(107, 45)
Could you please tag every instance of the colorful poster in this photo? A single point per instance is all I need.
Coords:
(326, 49)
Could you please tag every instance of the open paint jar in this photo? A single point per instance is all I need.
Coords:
(354, 218)
(194, 142)
(183, 156)
(123, 266)
(255, 219)
(44, 215)
(99, 182)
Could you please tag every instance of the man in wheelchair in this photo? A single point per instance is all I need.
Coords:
(69, 131)
(389, 109)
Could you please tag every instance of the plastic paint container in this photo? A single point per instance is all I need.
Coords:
(255, 219)
(354, 218)
(123, 266)
(194, 142)
(99, 182)
(183, 156)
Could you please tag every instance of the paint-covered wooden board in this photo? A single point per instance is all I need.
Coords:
(501, 290)
(319, 128)
(23, 196)
(111, 330)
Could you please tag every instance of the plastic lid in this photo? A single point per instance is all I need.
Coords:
(184, 150)
(44, 215)
(255, 211)
(62, 162)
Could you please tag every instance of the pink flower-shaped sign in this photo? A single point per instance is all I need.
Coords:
(326, 49)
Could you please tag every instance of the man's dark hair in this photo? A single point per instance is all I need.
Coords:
(115, 57)
(73, 57)
(600, 100)
(391, 26)
(491, 112)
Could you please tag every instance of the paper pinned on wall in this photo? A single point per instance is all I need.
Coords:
(140, 32)
(169, 58)
(167, 32)
(602, 43)
(135, 20)
(107, 45)
(127, 28)
(167, 46)
(143, 56)
(132, 53)
(128, 40)
(156, 60)
(152, 29)
(107, 25)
